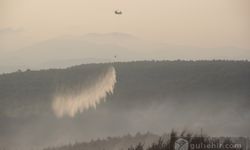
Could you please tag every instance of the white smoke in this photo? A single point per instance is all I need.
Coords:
(71, 103)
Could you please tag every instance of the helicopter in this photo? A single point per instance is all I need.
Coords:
(118, 12)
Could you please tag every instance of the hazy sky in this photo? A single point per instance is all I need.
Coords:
(210, 23)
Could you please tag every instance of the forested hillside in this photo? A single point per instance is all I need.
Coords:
(135, 80)
(112, 143)
(154, 96)
(150, 141)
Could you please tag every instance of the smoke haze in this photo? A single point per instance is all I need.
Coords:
(155, 96)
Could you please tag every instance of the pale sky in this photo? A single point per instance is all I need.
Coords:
(201, 23)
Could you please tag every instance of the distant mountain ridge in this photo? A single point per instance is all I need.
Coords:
(102, 48)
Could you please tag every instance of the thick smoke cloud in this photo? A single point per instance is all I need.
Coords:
(70, 103)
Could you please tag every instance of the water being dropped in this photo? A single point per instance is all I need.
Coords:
(87, 97)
